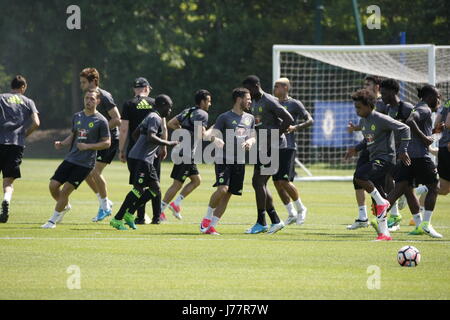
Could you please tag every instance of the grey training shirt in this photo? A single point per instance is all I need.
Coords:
(378, 130)
(265, 111)
(187, 118)
(143, 149)
(297, 111)
(399, 113)
(241, 127)
(106, 104)
(416, 148)
(87, 129)
(15, 116)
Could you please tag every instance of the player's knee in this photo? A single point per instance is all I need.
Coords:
(358, 182)
(257, 183)
(53, 185)
(177, 185)
(222, 189)
(196, 180)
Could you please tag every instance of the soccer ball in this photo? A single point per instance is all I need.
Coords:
(408, 256)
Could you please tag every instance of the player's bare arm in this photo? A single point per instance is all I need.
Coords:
(115, 118)
(285, 116)
(174, 124)
(164, 135)
(411, 122)
(248, 144)
(124, 128)
(105, 143)
(35, 123)
(153, 138)
(447, 121)
(306, 124)
(215, 136)
(352, 127)
(66, 142)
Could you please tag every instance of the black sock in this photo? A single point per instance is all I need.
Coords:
(141, 212)
(273, 216)
(261, 217)
(130, 199)
(141, 202)
(156, 206)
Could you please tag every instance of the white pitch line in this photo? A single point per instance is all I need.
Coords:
(217, 239)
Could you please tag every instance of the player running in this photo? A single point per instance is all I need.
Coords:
(399, 110)
(90, 80)
(371, 83)
(378, 130)
(90, 133)
(188, 119)
(18, 119)
(230, 168)
(286, 173)
(443, 167)
(145, 180)
(442, 126)
(422, 169)
(269, 114)
(134, 111)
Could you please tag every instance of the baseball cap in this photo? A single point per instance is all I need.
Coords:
(141, 83)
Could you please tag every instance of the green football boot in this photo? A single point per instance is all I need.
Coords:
(416, 232)
(374, 224)
(129, 220)
(118, 224)
(394, 220)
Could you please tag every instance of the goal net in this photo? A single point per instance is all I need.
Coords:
(323, 77)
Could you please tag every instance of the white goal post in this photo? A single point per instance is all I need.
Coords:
(323, 77)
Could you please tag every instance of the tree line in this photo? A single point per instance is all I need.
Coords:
(182, 46)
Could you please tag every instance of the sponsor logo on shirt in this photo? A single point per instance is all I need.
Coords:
(144, 105)
(15, 100)
(370, 138)
(82, 134)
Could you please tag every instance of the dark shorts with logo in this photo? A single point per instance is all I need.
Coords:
(107, 155)
(421, 171)
(71, 173)
(181, 172)
(231, 175)
(10, 160)
(444, 163)
(286, 169)
(362, 160)
(141, 173)
(374, 171)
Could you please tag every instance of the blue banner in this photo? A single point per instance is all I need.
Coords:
(330, 124)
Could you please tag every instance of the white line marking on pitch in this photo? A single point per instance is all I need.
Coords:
(215, 239)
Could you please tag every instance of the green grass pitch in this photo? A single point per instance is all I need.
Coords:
(319, 260)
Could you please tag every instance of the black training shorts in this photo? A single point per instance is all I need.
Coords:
(10, 160)
(72, 173)
(231, 175)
